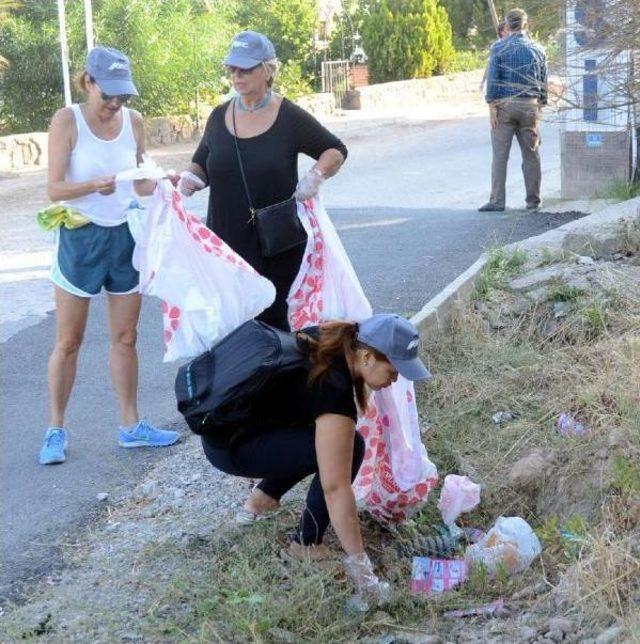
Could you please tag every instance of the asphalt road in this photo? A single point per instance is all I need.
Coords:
(389, 205)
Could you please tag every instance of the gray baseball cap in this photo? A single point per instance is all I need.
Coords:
(248, 49)
(111, 70)
(398, 340)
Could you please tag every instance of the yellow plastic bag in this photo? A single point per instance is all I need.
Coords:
(58, 214)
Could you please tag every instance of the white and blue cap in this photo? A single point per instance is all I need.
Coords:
(248, 49)
(396, 338)
(111, 70)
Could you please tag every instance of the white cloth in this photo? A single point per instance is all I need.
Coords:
(396, 474)
(92, 158)
(207, 289)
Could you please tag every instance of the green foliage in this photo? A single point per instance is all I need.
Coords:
(565, 293)
(289, 24)
(291, 82)
(568, 538)
(500, 266)
(32, 77)
(626, 475)
(472, 23)
(175, 48)
(467, 61)
(406, 39)
(622, 190)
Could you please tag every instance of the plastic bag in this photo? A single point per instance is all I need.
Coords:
(207, 289)
(459, 494)
(396, 474)
(511, 544)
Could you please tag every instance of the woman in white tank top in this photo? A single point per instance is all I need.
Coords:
(88, 145)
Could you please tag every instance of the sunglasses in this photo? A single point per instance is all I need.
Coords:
(107, 98)
(242, 72)
(121, 98)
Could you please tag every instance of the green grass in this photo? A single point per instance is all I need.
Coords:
(620, 190)
(468, 60)
(565, 293)
(501, 265)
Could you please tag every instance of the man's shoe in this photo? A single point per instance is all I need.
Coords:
(533, 206)
(491, 207)
(146, 435)
(55, 442)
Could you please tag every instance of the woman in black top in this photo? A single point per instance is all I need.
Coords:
(271, 132)
(308, 427)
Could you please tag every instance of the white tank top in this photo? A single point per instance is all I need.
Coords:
(93, 157)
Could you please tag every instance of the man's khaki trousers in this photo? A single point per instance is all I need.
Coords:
(519, 116)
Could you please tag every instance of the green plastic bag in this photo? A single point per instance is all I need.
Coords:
(57, 214)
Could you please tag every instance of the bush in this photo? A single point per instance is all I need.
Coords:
(32, 78)
(406, 39)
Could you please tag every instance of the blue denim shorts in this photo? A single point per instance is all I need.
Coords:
(92, 257)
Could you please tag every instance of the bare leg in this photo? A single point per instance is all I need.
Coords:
(124, 312)
(71, 321)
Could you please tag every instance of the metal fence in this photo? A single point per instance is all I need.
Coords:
(335, 78)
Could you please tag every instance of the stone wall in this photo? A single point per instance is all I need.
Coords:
(23, 151)
(164, 130)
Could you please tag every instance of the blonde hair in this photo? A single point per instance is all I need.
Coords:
(271, 67)
(80, 81)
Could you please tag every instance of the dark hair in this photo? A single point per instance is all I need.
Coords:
(338, 339)
(516, 19)
(502, 27)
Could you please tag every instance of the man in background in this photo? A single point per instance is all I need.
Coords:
(516, 90)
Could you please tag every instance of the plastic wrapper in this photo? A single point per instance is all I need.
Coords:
(459, 494)
(510, 545)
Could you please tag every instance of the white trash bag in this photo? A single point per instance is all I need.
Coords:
(207, 289)
(511, 545)
(396, 474)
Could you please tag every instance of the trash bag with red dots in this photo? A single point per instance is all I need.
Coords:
(207, 289)
(396, 474)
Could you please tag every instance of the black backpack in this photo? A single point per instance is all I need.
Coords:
(215, 390)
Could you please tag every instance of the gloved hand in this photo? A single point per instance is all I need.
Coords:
(309, 185)
(368, 587)
(189, 183)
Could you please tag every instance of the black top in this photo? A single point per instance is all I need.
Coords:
(270, 162)
(291, 401)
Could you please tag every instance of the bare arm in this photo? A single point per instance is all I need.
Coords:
(61, 141)
(329, 162)
(334, 451)
(143, 187)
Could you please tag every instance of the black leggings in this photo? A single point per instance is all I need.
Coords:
(283, 457)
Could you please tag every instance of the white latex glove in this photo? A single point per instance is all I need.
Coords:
(189, 183)
(309, 185)
(369, 589)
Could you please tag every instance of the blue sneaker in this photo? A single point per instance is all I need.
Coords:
(55, 442)
(146, 435)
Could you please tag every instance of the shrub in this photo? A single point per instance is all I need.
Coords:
(406, 39)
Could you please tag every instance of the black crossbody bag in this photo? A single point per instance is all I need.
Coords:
(279, 227)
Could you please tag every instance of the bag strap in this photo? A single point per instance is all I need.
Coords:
(252, 210)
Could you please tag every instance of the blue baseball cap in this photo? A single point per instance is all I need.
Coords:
(248, 49)
(111, 70)
(396, 338)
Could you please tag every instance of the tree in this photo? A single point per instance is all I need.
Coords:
(406, 39)
(289, 24)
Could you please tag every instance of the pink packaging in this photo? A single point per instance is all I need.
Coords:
(437, 575)
(459, 494)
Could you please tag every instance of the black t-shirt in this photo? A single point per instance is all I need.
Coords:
(292, 401)
(271, 167)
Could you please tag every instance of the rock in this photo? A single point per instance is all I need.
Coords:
(527, 634)
(610, 635)
(150, 489)
(282, 635)
(544, 640)
(561, 624)
(537, 278)
(102, 496)
(529, 471)
(560, 309)
(585, 260)
(178, 493)
(504, 417)
(555, 636)
(130, 637)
